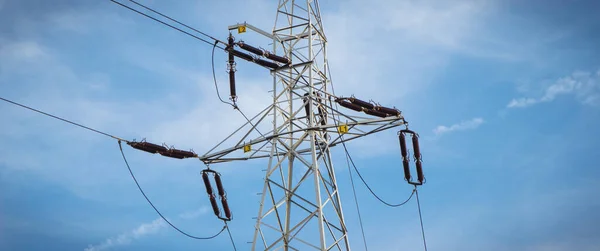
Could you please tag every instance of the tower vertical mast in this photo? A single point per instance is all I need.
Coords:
(300, 206)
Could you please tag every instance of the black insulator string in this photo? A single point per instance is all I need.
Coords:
(421, 219)
(362, 230)
(221, 99)
(180, 23)
(230, 237)
(356, 169)
(61, 119)
(155, 209)
(215, 77)
(162, 22)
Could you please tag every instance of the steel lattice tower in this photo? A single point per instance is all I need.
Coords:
(300, 206)
(305, 212)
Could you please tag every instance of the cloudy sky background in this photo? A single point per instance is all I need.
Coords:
(505, 96)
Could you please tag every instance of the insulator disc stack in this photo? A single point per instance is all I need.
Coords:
(361, 103)
(266, 63)
(347, 104)
(375, 113)
(306, 105)
(231, 66)
(416, 155)
(386, 110)
(147, 147)
(212, 197)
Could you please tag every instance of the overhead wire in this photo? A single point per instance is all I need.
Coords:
(356, 169)
(169, 25)
(230, 237)
(180, 23)
(215, 77)
(362, 230)
(371, 190)
(61, 119)
(157, 211)
(421, 219)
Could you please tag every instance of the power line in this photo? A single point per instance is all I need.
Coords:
(169, 25)
(421, 219)
(180, 23)
(369, 188)
(350, 157)
(230, 236)
(62, 119)
(155, 209)
(362, 230)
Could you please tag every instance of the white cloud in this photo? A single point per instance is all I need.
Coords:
(143, 230)
(126, 238)
(464, 125)
(585, 86)
(194, 214)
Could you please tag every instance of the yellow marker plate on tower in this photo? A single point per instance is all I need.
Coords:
(241, 29)
(247, 148)
(343, 129)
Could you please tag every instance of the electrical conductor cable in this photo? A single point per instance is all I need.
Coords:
(157, 211)
(169, 25)
(62, 119)
(421, 219)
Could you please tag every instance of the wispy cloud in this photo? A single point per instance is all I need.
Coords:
(585, 86)
(125, 238)
(463, 125)
(143, 230)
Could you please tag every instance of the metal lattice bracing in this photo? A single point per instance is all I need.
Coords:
(300, 206)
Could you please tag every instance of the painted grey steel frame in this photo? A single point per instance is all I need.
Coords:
(299, 142)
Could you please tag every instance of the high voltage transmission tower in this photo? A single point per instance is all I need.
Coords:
(300, 206)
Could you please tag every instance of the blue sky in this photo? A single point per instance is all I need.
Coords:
(505, 96)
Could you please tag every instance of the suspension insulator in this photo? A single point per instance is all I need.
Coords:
(306, 105)
(215, 207)
(251, 48)
(178, 154)
(209, 190)
(242, 55)
(419, 171)
(416, 149)
(266, 63)
(171, 154)
(362, 103)
(375, 113)
(390, 111)
(279, 59)
(226, 208)
(147, 147)
(406, 169)
(349, 105)
(322, 115)
(231, 66)
(219, 185)
(403, 149)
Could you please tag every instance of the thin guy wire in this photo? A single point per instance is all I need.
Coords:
(162, 22)
(155, 209)
(180, 23)
(362, 230)
(59, 118)
(230, 237)
(215, 77)
(421, 219)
